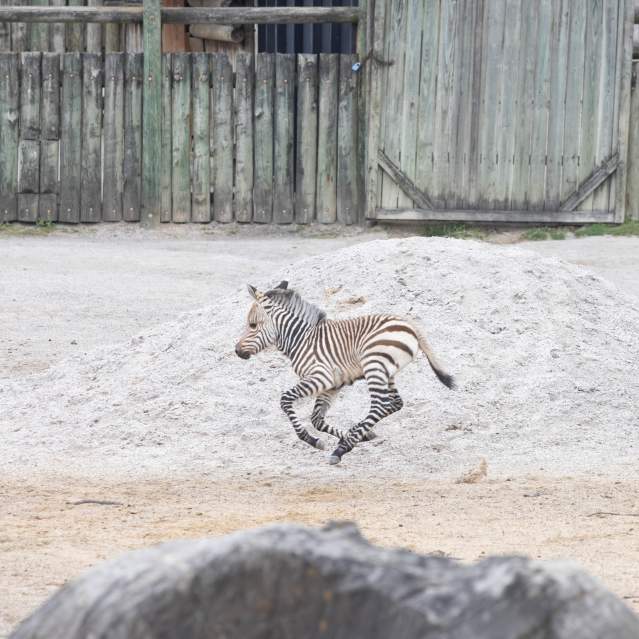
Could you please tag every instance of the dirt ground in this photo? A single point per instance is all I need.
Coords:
(55, 292)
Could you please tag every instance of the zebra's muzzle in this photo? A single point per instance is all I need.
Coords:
(240, 353)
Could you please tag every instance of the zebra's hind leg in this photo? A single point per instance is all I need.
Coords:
(383, 403)
(305, 388)
(318, 417)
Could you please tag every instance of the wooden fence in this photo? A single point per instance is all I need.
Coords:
(274, 142)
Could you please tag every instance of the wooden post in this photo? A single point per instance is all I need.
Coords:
(152, 115)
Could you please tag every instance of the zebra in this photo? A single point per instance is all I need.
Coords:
(329, 354)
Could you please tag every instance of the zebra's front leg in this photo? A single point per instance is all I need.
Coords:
(318, 417)
(305, 388)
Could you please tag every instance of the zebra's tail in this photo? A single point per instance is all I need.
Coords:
(446, 379)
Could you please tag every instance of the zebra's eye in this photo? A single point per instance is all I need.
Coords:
(252, 325)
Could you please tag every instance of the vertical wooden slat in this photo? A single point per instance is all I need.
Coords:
(94, 31)
(306, 168)
(574, 90)
(91, 195)
(347, 167)
(39, 31)
(326, 190)
(5, 31)
(9, 119)
(152, 114)
(50, 145)
(113, 136)
(222, 136)
(559, 76)
(19, 30)
(58, 30)
(201, 179)
(632, 198)
(75, 33)
(71, 138)
(283, 158)
(167, 154)
(624, 67)
(244, 82)
(181, 134)
(539, 130)
(264, 85)
(29, 147)
(132, 192)
(605, 123)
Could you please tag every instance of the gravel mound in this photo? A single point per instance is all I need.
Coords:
(546, 356)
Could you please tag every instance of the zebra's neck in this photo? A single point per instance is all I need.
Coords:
(291, 334)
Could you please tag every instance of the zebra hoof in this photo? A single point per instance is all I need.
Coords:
(333, 460)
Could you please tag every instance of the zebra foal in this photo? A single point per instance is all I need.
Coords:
(327, 354)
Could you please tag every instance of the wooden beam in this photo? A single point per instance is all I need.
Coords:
(152, 115)
(184, 15)
(596, 179)
(470, 215)
(403, 181)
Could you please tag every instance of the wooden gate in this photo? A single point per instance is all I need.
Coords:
(499, 110)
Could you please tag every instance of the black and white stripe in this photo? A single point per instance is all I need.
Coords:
(327, 354)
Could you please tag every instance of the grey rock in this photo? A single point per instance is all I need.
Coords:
(292, 582)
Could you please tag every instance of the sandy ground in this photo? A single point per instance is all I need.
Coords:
(55, 293)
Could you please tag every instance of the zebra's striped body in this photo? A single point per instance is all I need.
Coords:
(327, 354)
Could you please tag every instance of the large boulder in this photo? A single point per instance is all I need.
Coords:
(294, 582)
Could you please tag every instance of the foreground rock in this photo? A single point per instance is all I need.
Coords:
(294, 582)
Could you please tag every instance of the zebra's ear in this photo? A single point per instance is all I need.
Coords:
(282, 284)
(252, 291)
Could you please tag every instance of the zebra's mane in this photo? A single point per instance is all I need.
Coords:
(292, 301)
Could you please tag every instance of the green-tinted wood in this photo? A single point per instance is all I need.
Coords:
(306, 138)
(49, 156)
(111, 37)
(264, 86)
(9, 119)
(166, 203)
(50, 117)
(181, 133)
(39, 31)
(152, 115)
(94, 31)
(29, 167)
(58, 30)
(75, 32)
(28, 204)
(71, 138)
(222, 136)
(284, 123)
(558, 80)
(19, 30)
(113, 137)
(244, 82)
(48, 207)
(574, 90)
(326, 190)
(540, 114)
(633, 151)
(132, 192)
(5, 32)
(347, 168)
(201, 179)
(91, 195)
(30, 87)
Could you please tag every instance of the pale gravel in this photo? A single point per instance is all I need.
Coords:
(545, 354)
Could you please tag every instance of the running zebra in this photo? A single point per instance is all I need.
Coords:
(327, 354)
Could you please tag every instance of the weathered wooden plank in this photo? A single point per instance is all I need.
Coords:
(243, 108)
(73, 14)
(559, 74)
(152, 115)
(48, 206)
(326, 190)
(132, 187)
(201, 177)
(284, 122)
(49, 155)
(167, 159)
(50, 120)
(605, 125)
(28, 204)
(5, 32)
(111, 37)
(222, 132)
(91, 194)
(624, 67)
(94, 31)
(113, 137)
(260, 15)
(632, 197)
(574, 90)
(306, 168)
(75, 32)
(58, 30)
(181, 134)
(595, 179)
(535, 194)
(30, 86)
(71, 138)
(9, 119)
(264, 86)
(39, 32)
(493, 215)
(20, 30)
(29, 167)
(347, 167)
(410, 189)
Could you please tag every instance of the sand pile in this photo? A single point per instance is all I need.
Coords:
(546, 356)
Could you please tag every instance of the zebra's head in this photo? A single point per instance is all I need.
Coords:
(260, 332)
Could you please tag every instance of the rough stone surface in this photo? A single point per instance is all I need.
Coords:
(288, 581)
